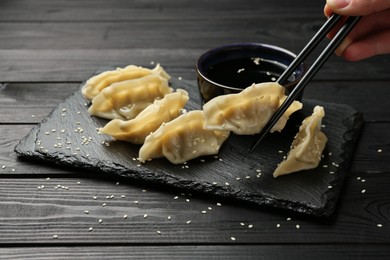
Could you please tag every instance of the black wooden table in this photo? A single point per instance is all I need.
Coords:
(47, 48)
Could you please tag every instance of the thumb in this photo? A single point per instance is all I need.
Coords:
(357, 7)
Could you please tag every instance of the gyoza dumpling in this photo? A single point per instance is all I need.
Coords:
(126, 99)
(97, 83)
(307, 147)
(182, 139)
(247, 112)
(136, 130)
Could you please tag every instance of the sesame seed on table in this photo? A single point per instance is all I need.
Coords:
(49, 47)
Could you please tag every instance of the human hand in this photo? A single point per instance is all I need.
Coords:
(371, 36)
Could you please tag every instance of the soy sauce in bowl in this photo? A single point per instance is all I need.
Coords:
(232, 68)
(243, 72)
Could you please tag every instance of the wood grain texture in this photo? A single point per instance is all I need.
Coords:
(366, 156)
(77, 65)
(121, 10)
(32, 106)
(48, 47)
(320, 252)
(32, 215)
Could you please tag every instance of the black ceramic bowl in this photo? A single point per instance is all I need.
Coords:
(231, 68)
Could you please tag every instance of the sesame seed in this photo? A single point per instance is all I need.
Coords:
(123, 196)
(233, 238)
(298, 226)
(136, 202)
(379, 225)
(125, 216)
(100, 221)
(159, 232)
(3, 167)
(210, 208)
(188, 222)
(226, 183)
(86, 211)
(94, 197)
(242, 224)
(55, 236)
(104, 204)
(219, 204)
(145, 215)
(90, 229)
(278, 225)
(238, 178)
(203, 211)
(250, 226)
(288, 219)
(169, 217)
(379, 150)
(187, 200)
(330, 186)
(363, 191)
(363, 180)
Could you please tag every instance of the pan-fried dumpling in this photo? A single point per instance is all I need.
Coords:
(182, 139)
(97, 83)
(247, 112)
(126, 99)
(136, 130)
(307, 147)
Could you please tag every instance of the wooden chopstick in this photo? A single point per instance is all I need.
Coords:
(318, 63)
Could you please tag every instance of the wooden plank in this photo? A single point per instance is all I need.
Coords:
(361, 95)
(360, 251)
(77, 65)
(367, 159)
(206, 33)
(31, 106)
(9, 163)
(373, 138)
(122, 10)
(34, 210)
(373, 150)
(22, 103)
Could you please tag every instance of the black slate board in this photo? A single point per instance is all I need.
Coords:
(68, 137)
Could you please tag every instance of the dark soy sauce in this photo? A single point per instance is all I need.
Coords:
(243, 72)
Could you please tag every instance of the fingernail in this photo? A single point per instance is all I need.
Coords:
(339, 4)
(344, 44)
